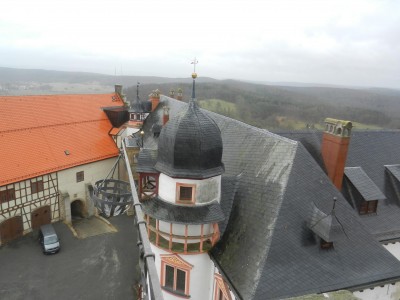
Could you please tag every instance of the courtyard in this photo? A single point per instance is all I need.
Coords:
(102, 266)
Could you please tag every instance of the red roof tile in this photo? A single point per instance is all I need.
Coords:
(35, 132)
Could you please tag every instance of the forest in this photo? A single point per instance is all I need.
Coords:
(265, 105)
(286, 107)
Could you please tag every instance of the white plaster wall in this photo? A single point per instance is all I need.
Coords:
(92, 173)
(386, 292)
(207, 190)
(393, 248)
(200, 284)
(131, 130)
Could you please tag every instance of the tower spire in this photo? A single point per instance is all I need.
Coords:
(194, 76)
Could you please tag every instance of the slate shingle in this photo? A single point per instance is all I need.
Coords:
(365, 186)
(267, 250)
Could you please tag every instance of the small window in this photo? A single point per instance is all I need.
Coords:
(132, 116)
(37, 186)
(7, 195)
(326, 245)
(368, 207)
(80, 176)
(186, 193)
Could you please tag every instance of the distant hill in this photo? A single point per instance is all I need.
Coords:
(263, 105)
(11, 79)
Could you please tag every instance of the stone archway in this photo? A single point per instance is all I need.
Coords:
(11, 229)
(41, 216)
(78, 210)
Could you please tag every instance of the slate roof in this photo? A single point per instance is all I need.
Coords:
(190, 145)
(146, 160)
(35, 132)
(138, 106)
(268, 250)
(372, 150)
(183, 214)
(365, 186)
(394, 170)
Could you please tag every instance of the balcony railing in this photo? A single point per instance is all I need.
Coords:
(168, 240)
(149, 278)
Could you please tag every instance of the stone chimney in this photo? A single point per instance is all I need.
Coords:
(118, 90)
(335, 145)
(179, 95)
(165, 115)
(154, 99)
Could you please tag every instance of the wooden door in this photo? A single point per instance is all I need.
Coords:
(11, 229)
(41, 216)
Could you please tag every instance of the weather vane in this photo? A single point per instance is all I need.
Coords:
(194, 63)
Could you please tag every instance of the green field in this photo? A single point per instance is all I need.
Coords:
(230, 109)
(220, 106)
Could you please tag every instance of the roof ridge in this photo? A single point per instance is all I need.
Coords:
(53, 125)
(45, 95)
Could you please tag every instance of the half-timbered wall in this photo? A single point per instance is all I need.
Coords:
(29, 196)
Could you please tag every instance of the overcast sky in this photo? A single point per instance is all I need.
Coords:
(333, 42)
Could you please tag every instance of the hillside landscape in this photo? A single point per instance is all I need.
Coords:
(265, 106)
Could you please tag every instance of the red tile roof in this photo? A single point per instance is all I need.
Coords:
(35, 132)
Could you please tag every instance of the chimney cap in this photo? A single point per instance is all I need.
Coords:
(343, 123)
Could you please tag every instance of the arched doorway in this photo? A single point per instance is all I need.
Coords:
(77, 209)
(11, 229)
(41, 216)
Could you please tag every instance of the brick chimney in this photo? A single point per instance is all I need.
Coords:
(154, 99)
(179, 94)
(335, 145)
(165, 115)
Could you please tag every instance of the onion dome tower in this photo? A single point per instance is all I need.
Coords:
(190, 145)
(182, 220)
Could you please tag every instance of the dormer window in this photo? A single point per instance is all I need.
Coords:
(368, 207)
(325, 245)
(185, 193)
(363, 193)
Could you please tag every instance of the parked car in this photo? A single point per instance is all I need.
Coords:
(48, 239)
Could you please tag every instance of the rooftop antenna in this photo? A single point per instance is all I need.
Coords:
(194, 76)
(137, 90)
